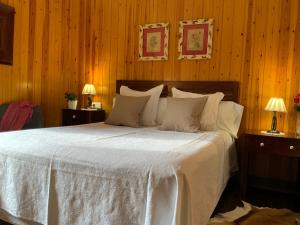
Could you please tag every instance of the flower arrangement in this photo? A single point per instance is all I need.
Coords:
(69, 96)
(297, 102)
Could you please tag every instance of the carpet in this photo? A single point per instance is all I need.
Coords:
(251, 215)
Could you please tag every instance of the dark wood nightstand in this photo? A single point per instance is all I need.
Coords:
(80, 116)
(257, 144)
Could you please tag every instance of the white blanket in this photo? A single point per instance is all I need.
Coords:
(108, 175)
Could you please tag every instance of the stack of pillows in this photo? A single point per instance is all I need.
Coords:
(185, 111)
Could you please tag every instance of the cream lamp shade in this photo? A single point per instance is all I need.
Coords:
(89, 89)
(275, 105)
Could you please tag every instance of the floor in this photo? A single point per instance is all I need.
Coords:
(231, 198)
(274, 200)
(4, 223)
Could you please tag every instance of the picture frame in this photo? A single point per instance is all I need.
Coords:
(195, 39)
(7, 14)
(153, 41)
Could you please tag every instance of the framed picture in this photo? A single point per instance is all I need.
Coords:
(153, 41)
(7, 14)
(195, 39)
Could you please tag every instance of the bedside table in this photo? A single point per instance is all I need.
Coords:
(255, 143)
(80, 116)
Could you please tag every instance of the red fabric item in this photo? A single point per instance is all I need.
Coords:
(16, 116)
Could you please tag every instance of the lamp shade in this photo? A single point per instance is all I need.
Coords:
(89, 89)
(276, 105)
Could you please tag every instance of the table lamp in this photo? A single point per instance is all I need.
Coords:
(275, 105)
(89, 89)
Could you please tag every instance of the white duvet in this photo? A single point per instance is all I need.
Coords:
(109, 175)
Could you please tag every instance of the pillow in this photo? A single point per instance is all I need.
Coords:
(208, 119)
(162, 107)
(127, 111)
(183, 114)
(229, 117)
(150, 111)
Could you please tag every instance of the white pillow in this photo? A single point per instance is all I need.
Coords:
(229, 117)
(208, 119)
(150, 111)
(162, 108)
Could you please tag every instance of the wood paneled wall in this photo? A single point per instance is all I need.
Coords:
(62, 44)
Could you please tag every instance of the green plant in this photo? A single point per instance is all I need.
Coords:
(69, 96)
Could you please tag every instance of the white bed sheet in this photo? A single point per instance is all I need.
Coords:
(109, 175)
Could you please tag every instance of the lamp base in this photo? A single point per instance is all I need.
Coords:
(89, 103)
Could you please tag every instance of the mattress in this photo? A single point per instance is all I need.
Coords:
(110, 175)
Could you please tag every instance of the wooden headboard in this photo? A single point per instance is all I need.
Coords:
(229, 88)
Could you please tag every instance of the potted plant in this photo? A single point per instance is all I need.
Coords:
(72, 100)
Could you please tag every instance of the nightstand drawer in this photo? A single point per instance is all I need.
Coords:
(266, 144)
(73, 117)
(77, 117)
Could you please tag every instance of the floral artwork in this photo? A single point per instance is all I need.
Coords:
(154, 41)
(195, 39)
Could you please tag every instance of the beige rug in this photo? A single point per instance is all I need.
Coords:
(251, 215)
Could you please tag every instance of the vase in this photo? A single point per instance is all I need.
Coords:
(72, 104)
(298, 124)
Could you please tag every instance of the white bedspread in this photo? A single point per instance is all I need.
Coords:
(108, 175)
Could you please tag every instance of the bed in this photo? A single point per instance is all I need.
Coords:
(103, 174)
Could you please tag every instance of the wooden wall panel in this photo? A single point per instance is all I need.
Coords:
(61, 44)
(272, 36)
(42, 66)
